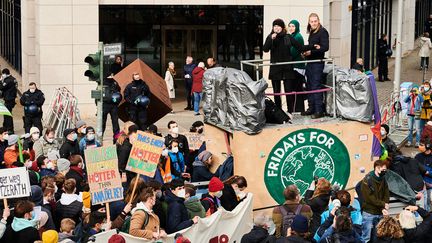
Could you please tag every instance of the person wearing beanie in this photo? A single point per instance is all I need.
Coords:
(89, 141)
(70, 145)
(210, 200)
(80, 129)
(260, 231)
(50, 236)
(63, 165)
(298, 232)
(279, 44)
(201, 167)
(30, 140)
(388, 143)
(11, 151)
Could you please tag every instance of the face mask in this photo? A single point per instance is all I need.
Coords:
(35, 136)
(200, 130)
(6, 136)
(74, 137)
(237, 191)
(426, 89)
(271, 228)
(50, 165)
(83, 131)
(218, 194)
(50, 140)
(383, 133)
(158, 194)
(181, 193)
(32, 90)
(28, 164)
(165, 152)
(382, 173)
(175, 130)
(4, 75)
(175, 150)
(90, 137)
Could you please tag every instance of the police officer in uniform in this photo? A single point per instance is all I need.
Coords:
(32, 100)
(9, 88)
(137, 94)
(111, 100)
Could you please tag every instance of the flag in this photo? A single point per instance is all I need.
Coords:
(4, 111)
(376, 129)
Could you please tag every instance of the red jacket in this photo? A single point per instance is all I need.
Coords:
(197, 79)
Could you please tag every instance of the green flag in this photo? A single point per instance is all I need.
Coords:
(4, 111)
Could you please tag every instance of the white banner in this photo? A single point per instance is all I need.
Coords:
(220, 227)
(14, 183)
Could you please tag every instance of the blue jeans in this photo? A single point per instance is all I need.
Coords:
(369, 223)
(411, 123)
(314, 73)
(197, 100)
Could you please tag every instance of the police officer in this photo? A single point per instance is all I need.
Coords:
(111, 100)
(32, 100)
(136, 93)
(9, 88)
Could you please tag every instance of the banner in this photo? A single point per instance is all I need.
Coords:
(220, 227)
(103, 174)
(14, 183)
(4, 111)
(145, 154)
(195, 140)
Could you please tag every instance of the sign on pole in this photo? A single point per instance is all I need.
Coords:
(103, 174)
(112, 49)
(145, 154)
(14, 183)
(195, 140)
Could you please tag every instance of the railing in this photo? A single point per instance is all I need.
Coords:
(392, 110)
(258, 64)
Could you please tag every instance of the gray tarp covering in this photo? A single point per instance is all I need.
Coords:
(354, 100)
(233, 100)
(399, 188)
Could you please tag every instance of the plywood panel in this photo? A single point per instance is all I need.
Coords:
(215, 142)
(252, 152)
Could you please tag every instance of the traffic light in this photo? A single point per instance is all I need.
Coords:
(94, 71)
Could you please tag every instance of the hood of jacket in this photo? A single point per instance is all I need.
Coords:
(198, 163)
(63, 236)
(170, 198)
(19, 224)
(193, 204)
(141, 206)
(67, 199)
(297, 25)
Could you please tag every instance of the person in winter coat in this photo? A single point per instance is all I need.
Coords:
(299, 68)
(197, 86)
(137, 110)
(201, 167)
(67, 227)
(89, 141)
(210, 200)
(174, 134)
(30, 140)
(388, 143)
(70, 204)
(279, 44)
(425, 158)
(426, 111)
(389, 230)
(23, 227)
(177, 215)
(178, 169)
(32, 101)
(187, 70)
(383, 54)
(414, 103)
(37, 199)
(9, 90)
(11, 151)
(233, 192)
(144, 209)
(169, 80)
(192, 203)
(76, 172)
(424, 52)
(46, 167)
(342, 229)
(318, 199)
(46, 144)
(110, 105)
(414, 233)
(80, 129)
(298, 232)
(259, 232)
(70, 146)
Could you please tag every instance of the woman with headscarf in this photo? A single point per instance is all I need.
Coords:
(298, 100)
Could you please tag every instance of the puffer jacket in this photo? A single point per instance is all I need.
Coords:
(425, 46)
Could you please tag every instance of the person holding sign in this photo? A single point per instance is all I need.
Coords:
(23, 227)
(144, 222)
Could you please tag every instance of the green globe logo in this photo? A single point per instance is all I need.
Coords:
(300, 156)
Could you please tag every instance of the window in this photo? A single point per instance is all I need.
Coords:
(10, 29)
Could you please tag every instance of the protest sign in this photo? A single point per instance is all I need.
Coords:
(14, 183)
(145, 154)
(195, 140)
(103, 174)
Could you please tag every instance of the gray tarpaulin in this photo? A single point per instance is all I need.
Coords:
(354, 100)
(233, 100)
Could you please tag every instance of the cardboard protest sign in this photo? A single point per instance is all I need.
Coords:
(195, 140)
(145, 154)
(103, 174)
(14, 183)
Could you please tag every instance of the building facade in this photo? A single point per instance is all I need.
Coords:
(56, 35)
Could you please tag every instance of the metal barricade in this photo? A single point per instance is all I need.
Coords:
(260, 63)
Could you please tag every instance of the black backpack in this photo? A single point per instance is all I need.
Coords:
(273, 113)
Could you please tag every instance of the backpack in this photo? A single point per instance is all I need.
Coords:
(288, 217)
(212, 207)
(126, 225)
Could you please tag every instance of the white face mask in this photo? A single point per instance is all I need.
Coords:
(4, 75)
(175, 150)
(6, 136)
(383, 133)
(50, 140)
(83, 131)
(90, 137)
(165, 152)
(218, 194)
(175, 130)
(35, 136)
(32, 90)
(181, 193)
(50, 165)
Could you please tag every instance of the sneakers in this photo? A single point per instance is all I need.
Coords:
(306, 113)
(408, 144)
(197, 114)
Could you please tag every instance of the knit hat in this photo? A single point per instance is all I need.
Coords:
(198, 124)
(50, 236)
(116, 239)
(12, 139)
(279, 22)
(204, 156)
(34, 130)
(63, 164)
(37, 195)
(300, 224)
(386, 127)
(215, 185)
(68, 131)
(80, 123)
